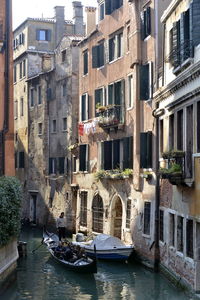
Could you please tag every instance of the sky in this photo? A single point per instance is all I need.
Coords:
(23, 9)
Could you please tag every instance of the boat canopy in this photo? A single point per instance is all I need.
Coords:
(106, 241)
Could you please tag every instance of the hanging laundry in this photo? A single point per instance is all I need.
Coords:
(81, 129)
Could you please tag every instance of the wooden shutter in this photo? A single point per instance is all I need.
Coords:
(128, 153)
(85, 62)
(83, 107)
(195, 22)
(82, 158)
(176, 44)
(143, 150)
(48, 35)
(21, 159)
(61, 161)
(95, 57)
(144, 82)
(108, 155)
(142, 25)
(101, 55)
(149, 149)
(148, 21)
(38, 34)
(107, 7)
(49, 94)
(116, 154)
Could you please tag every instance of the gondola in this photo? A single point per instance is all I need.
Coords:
(83, 264)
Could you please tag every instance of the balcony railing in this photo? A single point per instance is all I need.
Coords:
(184, 51)
(111, 116)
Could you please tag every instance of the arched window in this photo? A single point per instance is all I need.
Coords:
(97, 214)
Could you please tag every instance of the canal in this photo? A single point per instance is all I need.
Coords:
(39, 277)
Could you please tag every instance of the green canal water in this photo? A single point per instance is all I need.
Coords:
(39, 277)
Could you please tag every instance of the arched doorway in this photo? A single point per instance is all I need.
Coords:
(116, 222)
(97, 214)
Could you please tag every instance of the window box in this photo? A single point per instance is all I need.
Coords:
(114, 174)
(173, 154)
(146, 175)
(174, 174)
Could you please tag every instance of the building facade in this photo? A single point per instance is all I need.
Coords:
(114, 172)
(6, 91)
(36, 46)
(178, 105)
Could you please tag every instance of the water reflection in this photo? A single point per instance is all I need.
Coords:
(39, 277)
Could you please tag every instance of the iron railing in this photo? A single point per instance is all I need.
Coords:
(181, 53)
(112, 115)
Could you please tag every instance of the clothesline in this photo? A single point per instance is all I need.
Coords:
(87, 128)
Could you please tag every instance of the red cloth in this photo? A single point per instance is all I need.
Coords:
(81, 129)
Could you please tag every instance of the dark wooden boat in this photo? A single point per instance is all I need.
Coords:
(83, 264)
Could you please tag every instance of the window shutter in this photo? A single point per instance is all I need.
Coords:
(143, 150)
(49, 94)
(106, 50)
(149, 149)
(61, 161)
(120, 3)
(82, 158)
(21, 159)
(108, 7)
(95, 57)
(125, 151)
(108, 155)
(48, 35)
(23, 38)
(195, 22)
(176, 44)
(182, 37)
(87, 158)
(148, 21)
(151, 80)
(144, 82)
(85, 58)
(101, 55)
(87, 107)
(116, 154)
(130, 152)
(142, 29)
(50, 165)
(38, 34)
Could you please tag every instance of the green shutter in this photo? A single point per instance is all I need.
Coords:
(116, 154)
(148, 21)
(195, 22)
(107, 155)
(176, 44)
(82, 158)
(83, 107)
(108, 7)
(95, 57)
(142, 25)
(149, 149)
(144, 82)
(48, 35)
(143, 150)
(101, 55)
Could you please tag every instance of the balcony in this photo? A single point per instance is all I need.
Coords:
(181, 56)
(110, 116)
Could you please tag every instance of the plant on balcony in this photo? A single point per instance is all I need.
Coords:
(173, 154)
(113, 174)
(146, 174)
(100, 107)
(174, 171)
(10, 208)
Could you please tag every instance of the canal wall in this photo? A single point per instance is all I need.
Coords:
(8, 261)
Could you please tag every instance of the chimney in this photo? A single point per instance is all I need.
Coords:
(91, 19)
(78, 17)
(60, 23)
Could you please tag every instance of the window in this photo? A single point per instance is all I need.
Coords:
(146, 81)
(130, 91)
(146, 149)
(189, 238)
(64, 56)
(54, 126)
(146, 23)
(171, 229)
(189, 142)
(52, 165)
(180, 130)
(64, 90)
(171, 132)
(99, 98)
(15, 74)
(61, 165)
(39, 128)
(128, 153)
(83, 209)
(97, 214)
(21, 159)
(147, 217)
(74, 162)
(112, 5)
(180, 233)
(16, 109)
(24, 68)
(161, 226)
(64, 124)
(32, 97)
(161, 136)
(98, 55)
(116, 93)
(84, 107)
(101, 11)
(115, 46)
(21, 38)
(43, 35)
(20, 70)
(39, 95)
(128, 38)
(128, 214)
(21, 107)
(83, 158)
(85, 62)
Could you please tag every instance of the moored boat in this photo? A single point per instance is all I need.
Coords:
(83, 264)
(107, 247)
